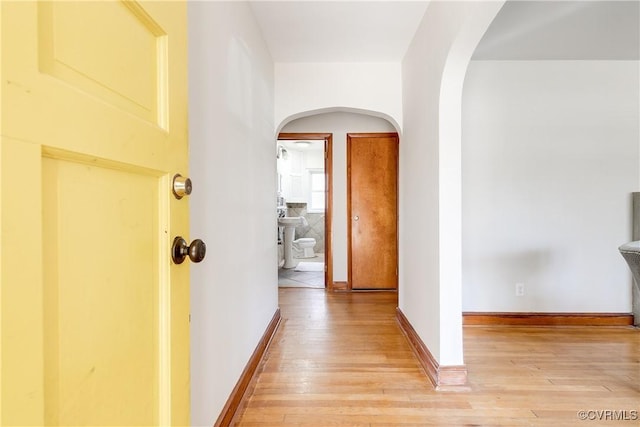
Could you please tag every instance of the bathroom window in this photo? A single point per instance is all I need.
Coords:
(316, 190)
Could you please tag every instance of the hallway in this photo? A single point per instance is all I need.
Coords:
(340, 359)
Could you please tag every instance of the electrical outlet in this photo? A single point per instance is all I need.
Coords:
(519, 289)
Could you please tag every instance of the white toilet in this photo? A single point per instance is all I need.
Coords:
(303, 247)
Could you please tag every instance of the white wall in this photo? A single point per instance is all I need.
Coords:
(315, 158)
(233, 167)
(430, 172)
(373, 87)
(339, 124)
(550, 157)
(295, 170)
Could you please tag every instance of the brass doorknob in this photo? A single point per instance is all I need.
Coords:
(180, 250)
(181, 186)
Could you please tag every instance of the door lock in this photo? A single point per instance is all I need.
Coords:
(181, 186)
(180, 250)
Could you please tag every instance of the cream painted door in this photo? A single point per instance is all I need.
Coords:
(94, 316)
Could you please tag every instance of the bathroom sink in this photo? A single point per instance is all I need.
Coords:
(290, 221)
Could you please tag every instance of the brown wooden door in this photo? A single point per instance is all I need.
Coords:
(372, 179)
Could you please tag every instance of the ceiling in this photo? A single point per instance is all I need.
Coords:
(314, 145)
(569, 30)
(338, 31)
(381, 31)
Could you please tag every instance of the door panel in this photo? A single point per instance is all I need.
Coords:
(373, 226)
(130, 68)
(100, 322)
(94, 316)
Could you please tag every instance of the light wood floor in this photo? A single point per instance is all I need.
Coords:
(339, 359)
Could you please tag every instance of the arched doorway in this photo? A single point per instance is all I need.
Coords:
(336, 122)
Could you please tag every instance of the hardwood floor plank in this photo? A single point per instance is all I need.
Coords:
(340, 359)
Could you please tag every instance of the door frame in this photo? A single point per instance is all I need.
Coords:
(328, 201)
(350, 136)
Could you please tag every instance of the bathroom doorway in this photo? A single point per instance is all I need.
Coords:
(304, 183)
